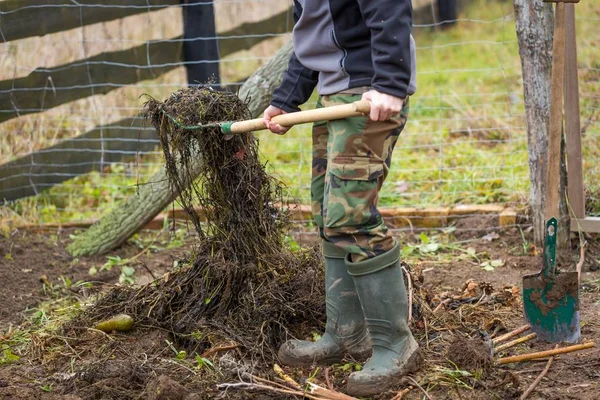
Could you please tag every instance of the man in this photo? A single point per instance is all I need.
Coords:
(353, 49)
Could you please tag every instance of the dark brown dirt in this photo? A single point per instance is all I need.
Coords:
(471, 354)
(32, 265)
(572, 376)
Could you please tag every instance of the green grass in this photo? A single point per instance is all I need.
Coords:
(465, 141)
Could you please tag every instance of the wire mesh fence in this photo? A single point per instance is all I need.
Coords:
(465, 142)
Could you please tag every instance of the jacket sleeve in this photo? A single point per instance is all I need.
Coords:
(298, 81)
(390, 22)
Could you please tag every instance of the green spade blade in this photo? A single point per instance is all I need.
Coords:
(551, 299)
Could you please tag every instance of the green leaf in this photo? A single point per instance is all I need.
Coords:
(497, 263)
(488, 267)
(430, 248)
(203, 362)
(93, 271)
(424, 238)
(471, 251)
(128, 271)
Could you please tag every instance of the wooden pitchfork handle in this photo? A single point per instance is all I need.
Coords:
(358, 108)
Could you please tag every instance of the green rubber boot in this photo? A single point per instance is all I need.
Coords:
(345, 331)
(380, 286)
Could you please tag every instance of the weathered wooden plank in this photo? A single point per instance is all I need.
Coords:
(26, 18)
(92, 151)
(44, 89)
(572, 119)
(587, 224)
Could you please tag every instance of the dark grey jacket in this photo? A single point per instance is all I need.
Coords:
(342, 44)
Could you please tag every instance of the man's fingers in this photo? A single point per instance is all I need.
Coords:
(374, 114)
(277, 129)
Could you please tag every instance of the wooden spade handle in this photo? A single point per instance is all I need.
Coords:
(355, 109)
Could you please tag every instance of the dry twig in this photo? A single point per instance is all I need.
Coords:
(401, 393)
(414, 382)
(410, 293)
(538, 379)
(439, 306)
(327, 378)
(328, 394)
(288, 379)
(218, 349)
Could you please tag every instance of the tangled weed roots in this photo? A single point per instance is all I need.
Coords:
(470, 354)
(241, 283)
(228, 181)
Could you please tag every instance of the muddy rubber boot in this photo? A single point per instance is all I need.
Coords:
(380, 286)
(345, 331)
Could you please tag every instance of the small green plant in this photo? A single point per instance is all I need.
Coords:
(47, 387)
(202, 362)
(127, 275)
(8, 356)
(291, 243)
(179, 354)
(490, 265)
(428, 246)
(350, 367)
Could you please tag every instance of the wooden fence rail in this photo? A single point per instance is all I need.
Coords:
(25, 18)
(36, 172)
(46, 88)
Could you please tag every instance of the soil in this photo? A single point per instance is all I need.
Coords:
(32, 264)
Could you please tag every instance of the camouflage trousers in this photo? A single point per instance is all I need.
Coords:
(351, 160)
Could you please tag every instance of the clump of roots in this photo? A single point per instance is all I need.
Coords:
(470, 354)
(241, 284)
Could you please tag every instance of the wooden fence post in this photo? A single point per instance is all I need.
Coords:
(201, 49)
(572, 119)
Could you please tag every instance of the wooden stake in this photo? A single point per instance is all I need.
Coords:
(547, 353)
(515, 342)
(511, 334)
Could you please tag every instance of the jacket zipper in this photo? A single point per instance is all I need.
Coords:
(343, 59)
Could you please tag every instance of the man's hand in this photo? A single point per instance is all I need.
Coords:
(271, 112)
(383, 106)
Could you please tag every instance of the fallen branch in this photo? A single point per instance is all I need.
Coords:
(538, 379)
(547, 353)
(511, 334)
(515, 342)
